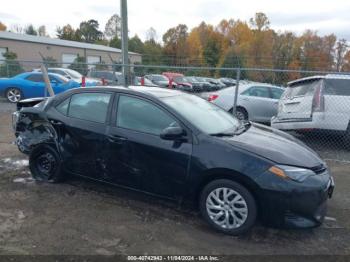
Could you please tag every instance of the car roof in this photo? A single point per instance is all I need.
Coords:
(157, 92)
(25, 74)
(318, 77)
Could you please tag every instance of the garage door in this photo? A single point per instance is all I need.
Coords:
(93, 60)
(68, 59)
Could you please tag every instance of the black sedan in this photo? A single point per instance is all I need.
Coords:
(178, 146)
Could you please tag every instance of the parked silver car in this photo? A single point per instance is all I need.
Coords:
(317, 103)
(256, 101)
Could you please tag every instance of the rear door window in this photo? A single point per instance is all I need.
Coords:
(338, 87)
(89, 106)
(258, 91)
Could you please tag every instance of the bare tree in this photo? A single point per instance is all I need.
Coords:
(151, 34)
(17, 28)
(42, 31)
(340, 51)
(113, 27)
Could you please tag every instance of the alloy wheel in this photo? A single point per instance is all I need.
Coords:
(227, 208)
(13, 95)
(46, 164)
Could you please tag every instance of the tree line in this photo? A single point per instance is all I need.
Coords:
(231, 43)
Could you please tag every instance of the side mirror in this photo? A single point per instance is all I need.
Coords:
(172, 133)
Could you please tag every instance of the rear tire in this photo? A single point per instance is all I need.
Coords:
(45, 164)
(228, 207)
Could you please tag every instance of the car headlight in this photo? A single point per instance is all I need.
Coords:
(291, 172)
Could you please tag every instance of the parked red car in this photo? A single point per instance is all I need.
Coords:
(180, 80)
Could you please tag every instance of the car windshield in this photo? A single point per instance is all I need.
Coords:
(190, 79)
(73, 74)
(180, 79)
(207, 117)
(200, 79)
(159, 78)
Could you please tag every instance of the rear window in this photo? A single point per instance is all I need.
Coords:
(302, 89)
(89, 106)
(338, 87)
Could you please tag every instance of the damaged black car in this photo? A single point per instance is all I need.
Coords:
(176, 146)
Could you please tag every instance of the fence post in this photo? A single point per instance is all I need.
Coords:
(238, 75)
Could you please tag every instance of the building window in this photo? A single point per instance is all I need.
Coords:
(3, 50)
(68, 59)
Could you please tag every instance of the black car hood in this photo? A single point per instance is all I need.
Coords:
(276, 146)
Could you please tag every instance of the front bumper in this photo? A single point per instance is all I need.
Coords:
(286, 203)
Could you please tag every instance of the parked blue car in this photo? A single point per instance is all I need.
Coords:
(31, 84)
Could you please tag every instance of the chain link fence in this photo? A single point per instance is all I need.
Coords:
(313, 106)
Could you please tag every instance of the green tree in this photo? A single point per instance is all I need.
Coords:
(10, 67)
(51, 62)
(67, 32)
(79, 65)
(89, 31)
(232, 59)
(30, 30)
(115, 42)
(211, 52)
(136, 45)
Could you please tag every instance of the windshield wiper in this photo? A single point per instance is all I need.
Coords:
(222, 134)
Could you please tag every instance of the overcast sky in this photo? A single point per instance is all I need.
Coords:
(325, 16)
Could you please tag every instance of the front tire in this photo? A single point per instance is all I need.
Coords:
(45, 164)
(228, 207)
(13, 95)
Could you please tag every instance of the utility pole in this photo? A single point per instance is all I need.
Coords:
(125, 38)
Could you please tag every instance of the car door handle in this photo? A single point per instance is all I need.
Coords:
(117, 139)
(245, 99)
(56, 122)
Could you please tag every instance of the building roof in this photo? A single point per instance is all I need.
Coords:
(58, 42)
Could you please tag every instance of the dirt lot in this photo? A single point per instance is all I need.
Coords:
(82, 218)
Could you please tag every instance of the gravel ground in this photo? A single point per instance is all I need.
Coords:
(83, 218)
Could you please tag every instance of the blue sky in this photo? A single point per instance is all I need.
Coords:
(322, 15)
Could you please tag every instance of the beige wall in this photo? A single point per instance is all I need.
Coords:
(30, 51)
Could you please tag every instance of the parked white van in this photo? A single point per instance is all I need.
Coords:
(320, 103)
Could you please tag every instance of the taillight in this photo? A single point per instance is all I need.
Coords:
(318, 100)
(212, 97)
